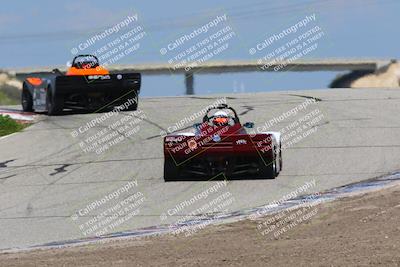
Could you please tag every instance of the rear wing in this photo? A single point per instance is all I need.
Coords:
(122, 83)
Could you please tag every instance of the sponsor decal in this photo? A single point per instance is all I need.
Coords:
(241, 142)
(192, 144)
(99, 77)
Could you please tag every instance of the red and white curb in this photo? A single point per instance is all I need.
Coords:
(20, 116)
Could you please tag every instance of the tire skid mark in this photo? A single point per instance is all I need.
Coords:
(60, 169)
(308, 97)
(248, 109)
(3, 179)
(4, 163)
(25, 168)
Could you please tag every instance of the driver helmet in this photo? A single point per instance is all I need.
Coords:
(221, 118)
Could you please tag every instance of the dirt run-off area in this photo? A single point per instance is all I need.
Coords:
(361, 230)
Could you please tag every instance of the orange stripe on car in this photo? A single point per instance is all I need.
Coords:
(72, 71)
(34, 81)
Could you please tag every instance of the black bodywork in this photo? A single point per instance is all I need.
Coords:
(54, 92)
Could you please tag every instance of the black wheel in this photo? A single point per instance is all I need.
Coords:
(278, 160)
(171, 170)
(26, 100)
(274, 168)
(269, 170)
(54, 104)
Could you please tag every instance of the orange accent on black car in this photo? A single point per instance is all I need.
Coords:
(87, 71)
(34, 81)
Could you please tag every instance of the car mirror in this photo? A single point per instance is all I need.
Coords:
(249, 125)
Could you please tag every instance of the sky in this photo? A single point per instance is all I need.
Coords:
(44, 33)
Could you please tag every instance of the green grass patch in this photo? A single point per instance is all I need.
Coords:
(6, 100)
(9, 126)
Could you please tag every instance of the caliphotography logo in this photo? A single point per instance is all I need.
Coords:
(199, 133)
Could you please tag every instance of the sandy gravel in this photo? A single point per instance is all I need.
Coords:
(358, 231)
(388, 78)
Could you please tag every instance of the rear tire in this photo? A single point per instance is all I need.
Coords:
(273, 169)
(26, 101)
(54, 103)
(171, 170)
(270, 170)
(280, 158)
(134, 106)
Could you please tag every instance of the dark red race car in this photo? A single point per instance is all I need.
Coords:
(221, 148)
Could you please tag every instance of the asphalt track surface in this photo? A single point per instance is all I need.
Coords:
(45, 176)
